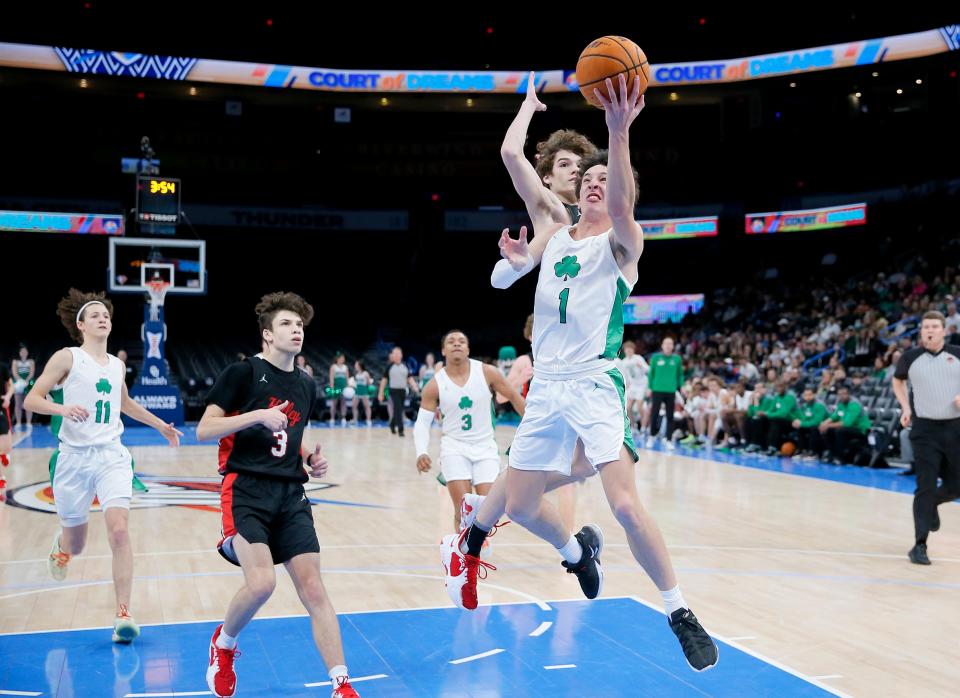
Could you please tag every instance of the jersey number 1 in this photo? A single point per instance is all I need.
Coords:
(564, 295)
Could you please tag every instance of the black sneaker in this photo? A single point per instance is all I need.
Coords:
(588, 570)
(698, 647)
(918, 554)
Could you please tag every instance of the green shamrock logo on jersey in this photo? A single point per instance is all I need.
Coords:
(465, 403)
(103, 386)
(567, 267)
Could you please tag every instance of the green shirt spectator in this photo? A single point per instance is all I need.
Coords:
(851, 415)
(666, 373)
(810, 414)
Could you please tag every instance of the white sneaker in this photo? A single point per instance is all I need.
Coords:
(669, 445)
(125, 628)
(58, 560)
(343, 422)
(650, 442)
(469, 505)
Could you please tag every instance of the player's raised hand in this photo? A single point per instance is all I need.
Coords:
(532, 98)
(514, 251)
(317, 463)
(423, 463)
(171, 434)
(621, 109)
(274, 419)
(75, 413)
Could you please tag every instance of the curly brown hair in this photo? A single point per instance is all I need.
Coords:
(273, 303)
(564, 139)
(601, 157)
(70, 305)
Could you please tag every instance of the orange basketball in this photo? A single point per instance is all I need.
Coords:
(788, 449)
(609, 57)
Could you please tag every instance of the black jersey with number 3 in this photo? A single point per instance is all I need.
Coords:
(256, 384)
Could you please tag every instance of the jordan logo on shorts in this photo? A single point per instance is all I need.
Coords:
(263, 378)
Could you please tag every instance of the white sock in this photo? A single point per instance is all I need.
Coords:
(337, 672)
(226, 642)
(673, 599)
(571, 552)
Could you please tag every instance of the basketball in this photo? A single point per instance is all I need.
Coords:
(609, 57)
(788, 449)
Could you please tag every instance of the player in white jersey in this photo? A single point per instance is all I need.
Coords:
(586, 271)
(634, 369)
(469, 456)
(92, 461)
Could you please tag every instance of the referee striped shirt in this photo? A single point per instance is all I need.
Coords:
(934, 379)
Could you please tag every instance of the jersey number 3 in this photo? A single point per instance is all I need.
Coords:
(466, 422)
(281, 448)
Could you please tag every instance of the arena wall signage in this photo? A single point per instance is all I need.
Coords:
(50, 222)
(653, 310)
(94, 62)
(808, 219)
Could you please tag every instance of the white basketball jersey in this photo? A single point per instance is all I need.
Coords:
(578, 309)
(634, 369)
(98, 389)
(467, 411)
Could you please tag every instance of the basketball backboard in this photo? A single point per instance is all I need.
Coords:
(134, 262)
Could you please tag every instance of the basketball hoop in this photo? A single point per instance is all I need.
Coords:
(157, 289)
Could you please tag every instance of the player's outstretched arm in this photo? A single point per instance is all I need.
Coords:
(520, 256)
(620, 111)
(132, 408)
(543, 206)
(429, 402)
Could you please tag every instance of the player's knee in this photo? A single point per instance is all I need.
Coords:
(261, 586)
(521, 512)
(626, 512)
(314, 593)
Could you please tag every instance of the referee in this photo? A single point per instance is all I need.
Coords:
(933, 370)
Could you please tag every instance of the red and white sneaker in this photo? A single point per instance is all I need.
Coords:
(343, 689)
(469, 506)
(221, 678)
(462, 571)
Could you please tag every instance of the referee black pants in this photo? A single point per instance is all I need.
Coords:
(397, 397)
(936, 453)
(657, 400)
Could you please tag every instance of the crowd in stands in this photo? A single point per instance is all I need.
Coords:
(806, 368)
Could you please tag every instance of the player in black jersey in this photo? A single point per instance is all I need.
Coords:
(259, 409)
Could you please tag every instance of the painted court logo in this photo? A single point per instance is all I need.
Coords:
(201, 493)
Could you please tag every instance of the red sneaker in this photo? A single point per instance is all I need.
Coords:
(343, 689)
(462, 571)
(221, 678)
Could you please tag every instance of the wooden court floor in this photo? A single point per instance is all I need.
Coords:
(808, 573)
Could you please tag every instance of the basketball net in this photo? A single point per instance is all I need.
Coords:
(158, 291)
